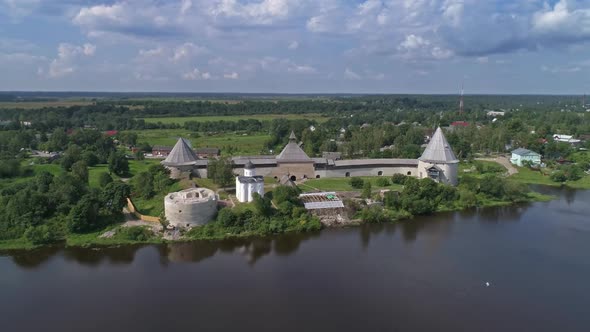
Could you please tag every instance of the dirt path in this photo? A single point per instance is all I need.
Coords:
(504, 162)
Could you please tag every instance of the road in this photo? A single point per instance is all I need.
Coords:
(504, 162)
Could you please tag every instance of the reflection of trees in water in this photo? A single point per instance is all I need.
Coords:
(367, 230)
(569, 195)
(84, 256)
(95, 256)
(502, 213)
(252, 248)
(440, 223)
(30, 259)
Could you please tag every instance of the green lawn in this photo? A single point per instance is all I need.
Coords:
(526, 175)
(244, 143)
(341, 184)
(155, 205)
(234, 118)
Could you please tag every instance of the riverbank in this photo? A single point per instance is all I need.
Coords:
(215, 231)
(528, 176)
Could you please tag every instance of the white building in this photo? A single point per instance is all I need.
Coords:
(249, 184)
(565, 139)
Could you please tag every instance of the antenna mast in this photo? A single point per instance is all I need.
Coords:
(461, 105)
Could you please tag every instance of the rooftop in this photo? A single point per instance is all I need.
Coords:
(524, 152)
(439, 150)
(323, 200)
(251, 179)
(293, 152)
(181, 155)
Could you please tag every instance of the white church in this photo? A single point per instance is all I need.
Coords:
(249, 183)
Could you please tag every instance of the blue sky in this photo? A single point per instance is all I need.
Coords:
(304, 46)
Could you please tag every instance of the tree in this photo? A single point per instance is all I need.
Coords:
(114, 196)
(139, 155)
(398, 179)
(356, 182)
(383, 182)
(367, 190)
(71, 156)
(118, 163)
(80, 170)
(144, 184)
(227, 218)
(262, 205)
(104, 178)
(221, 171)
(164, 221)
(84, 215)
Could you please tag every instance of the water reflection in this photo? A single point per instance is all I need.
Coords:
(252, 249)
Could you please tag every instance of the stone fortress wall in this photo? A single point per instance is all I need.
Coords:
(190, 207)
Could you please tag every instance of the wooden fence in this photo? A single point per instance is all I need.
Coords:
(132, 209)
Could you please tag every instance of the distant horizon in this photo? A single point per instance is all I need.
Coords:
(5, 92)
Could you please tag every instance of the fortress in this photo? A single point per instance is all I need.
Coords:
(438, 162)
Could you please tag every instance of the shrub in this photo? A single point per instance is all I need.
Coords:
(135, 233)
(42, 235)
(383, 182)
(356, 182)
(399, 179)
(558, 176)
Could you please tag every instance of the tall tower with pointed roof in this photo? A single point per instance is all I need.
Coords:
(181, 159)
(294, 161)
(438, 161)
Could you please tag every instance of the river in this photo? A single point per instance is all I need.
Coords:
(428, 274)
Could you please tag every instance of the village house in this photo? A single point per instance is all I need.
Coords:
(521, 156)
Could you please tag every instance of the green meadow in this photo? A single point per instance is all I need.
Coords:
(235, 118)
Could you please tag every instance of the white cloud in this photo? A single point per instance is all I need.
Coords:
(260, 12)
(351, 75)
(19, 8)
(185, 6)
(66, 61)
(231, 76)
(482, 59)
(293, 45)
(563, 21)
(187, 51)
(301, 69)
(196, 74)
(557, 70)
(413, 42)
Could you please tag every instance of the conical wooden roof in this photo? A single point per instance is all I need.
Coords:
(181, 155)
(293, 153)
(439, 150)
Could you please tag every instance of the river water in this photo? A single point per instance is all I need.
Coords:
(428, 274)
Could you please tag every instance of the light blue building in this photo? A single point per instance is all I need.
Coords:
(521, 155)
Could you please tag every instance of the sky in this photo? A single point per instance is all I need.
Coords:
(303, 46)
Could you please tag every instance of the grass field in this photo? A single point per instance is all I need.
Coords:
(155, 205)
(41, 104)
(341, 184)
(93, 172)
(529, 176)
(235, 118)
(245, 145)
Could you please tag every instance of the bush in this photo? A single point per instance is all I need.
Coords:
(104, 178)
(383, 182)
(135, 233)
(356, 182)
(42, 235)
(399, 179)
(558, 176)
